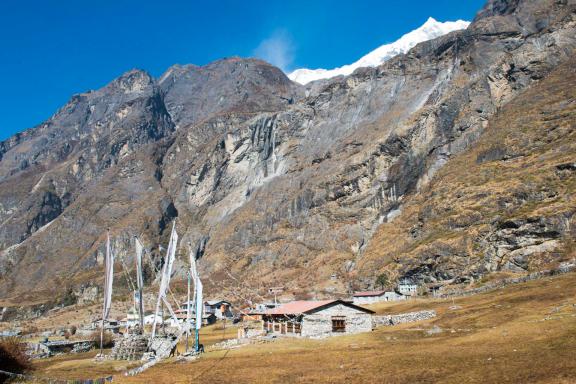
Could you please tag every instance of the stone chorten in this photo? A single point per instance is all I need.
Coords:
(130, 347)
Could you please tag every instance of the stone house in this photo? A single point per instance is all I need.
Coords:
(181, 316)
(132, 318)
(185, 304)
(111, 325)
(222, 309)
(407, 288)
(369, 297)
(265, 306)
(149, 319)
(180, 319)
(317, 318)
(256, 312)
(66, 346)
(251, 314)
(208, 319)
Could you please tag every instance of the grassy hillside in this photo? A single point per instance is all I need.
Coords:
(506, 204)
(522, 334)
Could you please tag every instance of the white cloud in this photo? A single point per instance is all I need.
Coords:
(277, 49)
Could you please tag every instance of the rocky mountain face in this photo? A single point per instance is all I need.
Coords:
(505, 205)
(279, 184)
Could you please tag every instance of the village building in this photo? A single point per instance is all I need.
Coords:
(208, 319)
(317, 318)
(192, 304)
(222, 309)
(369, 297)
(407, 288)
(149, 319)
(132, 318)
(182, 315)
(250, 314)
(111, 325)
(56, 347)
(256, 312)
(266, 306)
(180, 319)
(435, 289)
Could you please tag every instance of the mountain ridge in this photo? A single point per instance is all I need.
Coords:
(429, 30)
(288, 188)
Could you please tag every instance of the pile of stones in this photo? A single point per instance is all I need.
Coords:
(225, 344)
(130, 347)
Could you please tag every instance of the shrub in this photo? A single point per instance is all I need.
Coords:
(382, 280)
(69, 298)
(13, 357)
(107, 340)
(73, 330)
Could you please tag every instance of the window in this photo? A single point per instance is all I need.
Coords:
(338, 324)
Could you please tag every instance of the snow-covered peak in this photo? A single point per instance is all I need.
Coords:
(431, 29)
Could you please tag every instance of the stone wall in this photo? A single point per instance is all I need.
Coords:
(247, 333)
(402, 318)
(51, 348)
(84, 346)
(37, 351)
(563, 268)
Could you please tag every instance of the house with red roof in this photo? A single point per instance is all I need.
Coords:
(317, 318)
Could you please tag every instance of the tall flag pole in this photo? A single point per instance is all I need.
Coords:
(139, 281)
(199, 308)
(188, 311)
(108, 279)
(166, 273)
(197, 299)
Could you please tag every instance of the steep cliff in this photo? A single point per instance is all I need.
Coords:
(508, 204)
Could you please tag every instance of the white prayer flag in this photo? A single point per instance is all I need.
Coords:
(108, 279)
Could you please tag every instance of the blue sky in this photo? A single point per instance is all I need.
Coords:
(50, 50)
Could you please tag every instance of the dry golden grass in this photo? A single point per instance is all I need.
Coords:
(79, 366)
(211, 335)
(522, 334)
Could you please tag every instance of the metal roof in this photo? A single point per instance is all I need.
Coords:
(214, 302)
(369, 293)
(55, 343)
(306, 307)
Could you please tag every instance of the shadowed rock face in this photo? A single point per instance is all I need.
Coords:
(43, 169)
(289, 183)
(193, 93)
